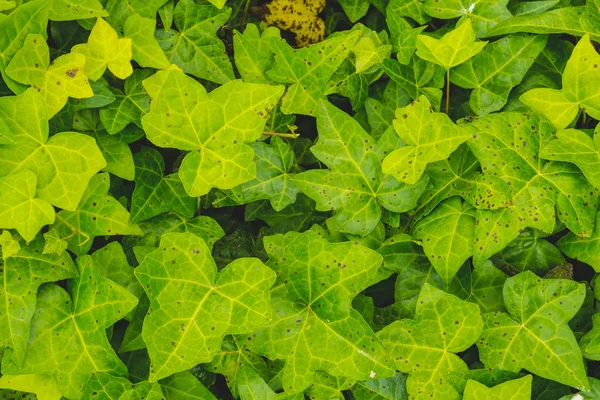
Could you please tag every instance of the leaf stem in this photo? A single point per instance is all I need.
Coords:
(584, 117)
(244, 13)
(283, 135)
(447, 91)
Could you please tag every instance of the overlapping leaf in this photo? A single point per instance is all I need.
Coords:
(534, 334)
(145, 49)
(354, 185)
(486, 14)
(102, 386)
(425, 347)
(68, 339)
(214, 127)
(252, 53)
(63, 163)
(517, 389)
(314, 326)
(192, 307)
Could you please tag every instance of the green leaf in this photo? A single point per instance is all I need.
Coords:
(214, 127)
(354, 185)
(104, 50)
(8, 245)
(380, 112)
(20, 209)
(590, 342)
(370, 50)
(53, 243)
(447, 236)
(591, 394)
(428, 136)
(381, 389)
(425, 347)
(44, 386)
(355, 9)
(145, 49)
(62, 344)
(195, 47)
(185, 386)
(496, 70)
(407, 44)
(56, 82)
(22, 274)
(454, 48)
(251, 386)
(418, 78)
(308, 70)
(102, 386)
(534, 334)
(67, 10)
(414, 9)
(313, 310)
(517, 389)
(576, 21)
(537, 187)
(252, 53)
(585, 249)
(64, 163)
(155, 193)
(193, 307)
(485, 14)
(112, 264)
(120, 11)
(275, 164)
(581, 73)
(98, 214)
(28, 18)
(129, 106)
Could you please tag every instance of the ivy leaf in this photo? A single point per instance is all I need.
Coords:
(486, 13)
(183, 116)
(67, 10)
(308, 70)
(496, 70)
(120, 11)
(529, 251)
(20, 209)
(28, 18)
(590, 342)
(154, 193)
(447, 235)
(114, 148)
(414, 9)
(8, 245)
(516, 389)
(104, 50)
(251, 386)
(98, 214)
(302, 19)
(145, 49)
(370, 49)
(195, 48)
(380, 112)
(129, 106)
(102, 386)
(327, 387)
(22, 274)
(425, 347)
(354, 185)
(562, 106)
(380, 389)
(208, 306)
(535, 334)
(61, 343)
(428, 136)
(585, 249)
(53, 243)
(252, 53)
(56, 82)
(43, 386)
(407, 44)
(185, 386)
(418, 78)
(576, 21)
(454, 48)
(537, 187)
(63, 164)
(275, 164)
(112, 264)
(303, 318)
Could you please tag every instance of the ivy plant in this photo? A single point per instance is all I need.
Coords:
(280, 199)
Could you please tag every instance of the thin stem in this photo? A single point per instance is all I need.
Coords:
(283, 135)
(584, 117)
(243, 19)
(447, 91)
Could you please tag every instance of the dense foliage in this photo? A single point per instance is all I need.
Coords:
(360, 199)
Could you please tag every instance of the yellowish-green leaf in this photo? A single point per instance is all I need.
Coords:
(428, 136)
(68, 10)
(580, 78)
(516, 389)
(102, 386)
(215, 127)
(63, 163)
(452, 49)
(20, 209)
(104, 50)
(252, 53)
(53, 243)
(193, 306)
(56, 82)
(145, 49)
(43, 386)
(8, 245)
